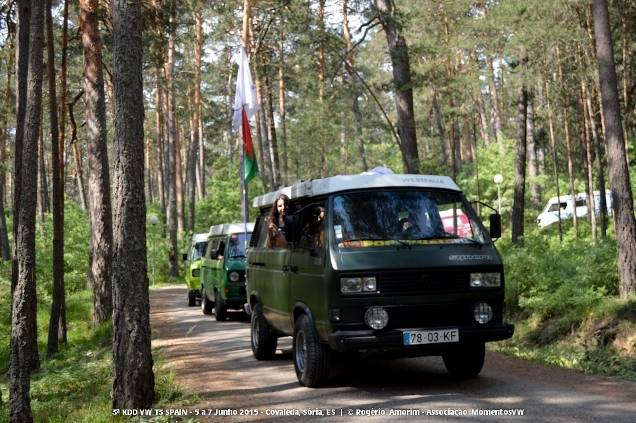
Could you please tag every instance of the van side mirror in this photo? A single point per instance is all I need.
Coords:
(185, 256)
(495, 225)
(291, 228)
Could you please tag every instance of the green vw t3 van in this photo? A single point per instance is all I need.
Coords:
(397, 265)
(223, 270)
(192, 263)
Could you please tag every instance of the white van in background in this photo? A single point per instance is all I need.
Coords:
(550, 213)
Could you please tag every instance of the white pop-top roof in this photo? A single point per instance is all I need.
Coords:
(316, 187)
(199, 238)
(230, 228)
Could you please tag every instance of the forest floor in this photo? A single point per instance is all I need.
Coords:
(213, 363)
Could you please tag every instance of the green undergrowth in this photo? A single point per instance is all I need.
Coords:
(74, 385)
(562, 297)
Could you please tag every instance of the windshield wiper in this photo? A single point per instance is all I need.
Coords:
(451, 236)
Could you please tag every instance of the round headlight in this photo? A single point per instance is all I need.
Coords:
(234, 276)
(482, 313)
(376, 317)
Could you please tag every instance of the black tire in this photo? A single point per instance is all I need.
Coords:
(192, 299)
(220, 310)
(311, 358)
(262, 337)
(465, 362)
(206, 305)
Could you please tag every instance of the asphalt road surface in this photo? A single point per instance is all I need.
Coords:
(213, 361)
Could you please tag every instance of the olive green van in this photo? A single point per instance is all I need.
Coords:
(192, 261)
(397, 265)
(223, 269)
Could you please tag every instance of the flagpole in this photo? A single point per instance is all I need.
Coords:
(244, 197)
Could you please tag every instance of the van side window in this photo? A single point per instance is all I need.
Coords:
(312, 236)
(261, 231)
(212, 247)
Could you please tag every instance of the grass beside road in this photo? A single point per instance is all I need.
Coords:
(76, 384)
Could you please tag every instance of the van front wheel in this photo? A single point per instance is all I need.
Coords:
(311, 358)
(262, 336)
(465, 362)
(220, 310)
(206, 305)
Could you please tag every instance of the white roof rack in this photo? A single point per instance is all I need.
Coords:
(230, 228)
(199, 237)
(316, 187)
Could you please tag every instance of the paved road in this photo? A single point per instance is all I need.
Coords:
(213, 360)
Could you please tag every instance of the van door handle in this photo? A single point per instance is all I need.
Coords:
(257, 263)
(285, 268)
(294, 269)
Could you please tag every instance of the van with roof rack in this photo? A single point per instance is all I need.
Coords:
(223, 270)
(376, 264)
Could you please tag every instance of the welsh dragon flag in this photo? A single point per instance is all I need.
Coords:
(245, 106)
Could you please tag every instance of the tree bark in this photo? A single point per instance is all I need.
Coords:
(23, 350)
(568, 149)
(589, 165)
(399, 52)
(5, 249)
(533, 171)
(171, 153)
(58, 193)
(494, 103)
(555, 164)
(43, 188)
(28, 101)
(349, 66)
(161, 183)
(520, 174)
(271, 133)
(600, 168)
(133, 382)
(622, 201)
(198, 31)
(282, 115)
(101, 221)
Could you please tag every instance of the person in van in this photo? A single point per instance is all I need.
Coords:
(276, 223)
(313, 233)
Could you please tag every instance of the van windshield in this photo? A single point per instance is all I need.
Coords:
(411, 217)
(236, 247)
(199, 250)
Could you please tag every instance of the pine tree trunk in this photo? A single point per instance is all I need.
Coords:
(179, 180)
(161, 182)
(171, 153)
(441, 131)
(494, 103)
(622, 201)
(349, 66)
(43, 188)
(133, 383)
(271, 132)
(191, 173)
(568, 150)
(101, 235)
(589, 165)
(5, 249)
(24, 356)
(399, 52)
(281, 108)
(58, 193)
(518, 205)
(533, 171)
(261, 129)
(198, 30)
(600, 168)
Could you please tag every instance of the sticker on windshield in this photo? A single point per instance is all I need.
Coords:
(338, 229)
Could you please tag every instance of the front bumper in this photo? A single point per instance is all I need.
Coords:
(392, 340)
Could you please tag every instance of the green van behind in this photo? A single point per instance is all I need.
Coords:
(397, 265)
(223, 269)
(192, 263)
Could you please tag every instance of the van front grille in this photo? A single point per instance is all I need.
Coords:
(408, 283)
